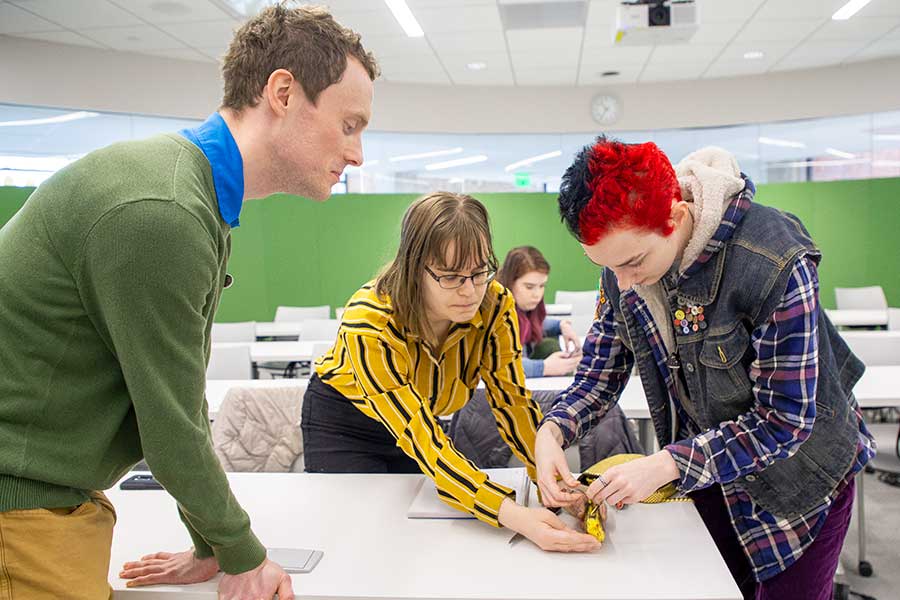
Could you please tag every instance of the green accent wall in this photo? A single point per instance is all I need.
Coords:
(293, 251)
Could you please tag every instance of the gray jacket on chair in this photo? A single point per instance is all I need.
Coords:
(258, 429)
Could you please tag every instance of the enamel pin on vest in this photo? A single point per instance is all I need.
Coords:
(689, 318)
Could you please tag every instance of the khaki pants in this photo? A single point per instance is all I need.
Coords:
(50, 554)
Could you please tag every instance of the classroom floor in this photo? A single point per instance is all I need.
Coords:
(882, 543)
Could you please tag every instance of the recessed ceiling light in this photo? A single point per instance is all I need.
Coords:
(533, 159)
(839, 153)
(783, 143)
(425, 154)
(405, 17)
(848, 10)
(468, 160)
(753, 55)
(170, 8)
(476, 66)
(74, 116)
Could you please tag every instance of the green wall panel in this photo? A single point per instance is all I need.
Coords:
(293, 251)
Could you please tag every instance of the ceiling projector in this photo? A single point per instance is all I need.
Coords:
(655, 22)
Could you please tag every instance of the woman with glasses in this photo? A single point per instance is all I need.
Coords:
(412, 347)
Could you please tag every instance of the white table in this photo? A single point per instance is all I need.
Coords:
(879, 387)
(857, 318)
(280, 352)
(632, 401)
(373, 551)
(278, 329)
(216, 389)
(558, 309)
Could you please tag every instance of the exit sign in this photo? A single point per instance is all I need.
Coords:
(523, 179)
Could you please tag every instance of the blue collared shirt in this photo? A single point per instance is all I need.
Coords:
(216, 142)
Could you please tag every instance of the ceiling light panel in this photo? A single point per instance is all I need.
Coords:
(459, 162)
(430, 154)
(849, 9)
(532, 160)
(858, 29)
(405, 17)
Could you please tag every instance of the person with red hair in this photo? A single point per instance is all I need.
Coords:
(714, 298)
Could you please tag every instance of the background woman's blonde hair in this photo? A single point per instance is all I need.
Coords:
(431, 226)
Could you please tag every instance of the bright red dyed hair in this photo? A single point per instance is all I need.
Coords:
(632, 186)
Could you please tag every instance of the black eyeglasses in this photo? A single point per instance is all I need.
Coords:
(452, 282)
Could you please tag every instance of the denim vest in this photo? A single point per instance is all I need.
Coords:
(740, 288)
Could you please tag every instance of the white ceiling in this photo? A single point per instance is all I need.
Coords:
(791, 34)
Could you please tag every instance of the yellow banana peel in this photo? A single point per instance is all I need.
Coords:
(593, 524)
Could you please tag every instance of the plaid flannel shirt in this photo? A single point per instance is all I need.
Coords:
(784, 376)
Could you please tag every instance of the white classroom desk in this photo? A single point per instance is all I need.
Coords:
(879, 387)
(632, 400)
(840, 318)
(278, 329)
(373, 551)
(558, 309)
(262, 352)
(857, 318)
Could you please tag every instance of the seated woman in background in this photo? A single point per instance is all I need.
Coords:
(412, 346)
(525, 272)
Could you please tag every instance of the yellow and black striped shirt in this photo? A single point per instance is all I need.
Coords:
(394, 377)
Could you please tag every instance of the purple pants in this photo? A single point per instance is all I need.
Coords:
(810, 578)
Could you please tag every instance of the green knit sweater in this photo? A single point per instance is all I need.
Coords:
(110, 275)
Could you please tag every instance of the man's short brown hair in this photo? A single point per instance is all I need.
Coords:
(305, 40)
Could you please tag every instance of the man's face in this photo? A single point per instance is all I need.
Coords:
(635, 256)
(318, 141)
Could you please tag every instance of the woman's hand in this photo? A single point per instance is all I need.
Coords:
(544, 528)
(571, 340)
(559, 363)
(633, 481)
(552, 468)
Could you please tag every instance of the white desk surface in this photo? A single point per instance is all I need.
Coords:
(632, 400)
(855, 334)
(373, 551)
(879, 387)
(261, 352)
(558, 309)
(858, 318)
(217, 388)
(278, 329)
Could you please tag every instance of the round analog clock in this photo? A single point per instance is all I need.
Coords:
(606, 109)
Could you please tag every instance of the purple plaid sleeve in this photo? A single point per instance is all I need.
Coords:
(784, 378)
(601, 376)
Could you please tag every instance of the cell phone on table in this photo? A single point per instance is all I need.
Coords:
(140, 482)
(295, 560)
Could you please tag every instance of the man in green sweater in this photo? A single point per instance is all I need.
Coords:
(110, 276)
